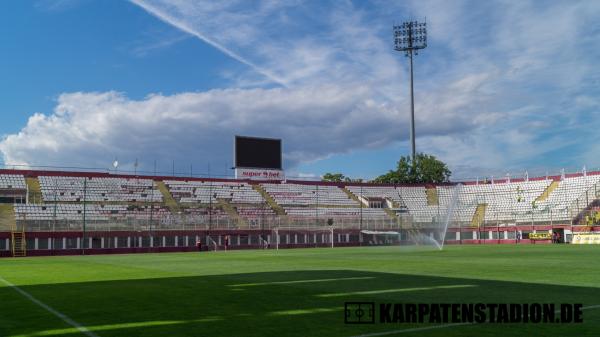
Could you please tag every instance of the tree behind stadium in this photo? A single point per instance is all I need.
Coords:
(338, 178)
(427, 169)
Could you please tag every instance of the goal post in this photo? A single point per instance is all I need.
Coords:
(381, 238)
(213, 242)
(308, 236)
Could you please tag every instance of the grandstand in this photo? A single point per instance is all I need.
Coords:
(254, 212)
(205, 192)
(12, 181)
(314, 200)
(53, 206)
(294, 195)
(56, 188)
(12, 188)
(97, 212)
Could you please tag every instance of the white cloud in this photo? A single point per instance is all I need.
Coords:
(93, 128)
(314, 122)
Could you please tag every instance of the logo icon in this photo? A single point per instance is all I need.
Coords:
(359, 312)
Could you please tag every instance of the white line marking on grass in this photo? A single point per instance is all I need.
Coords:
(425, 328)
(301, 281)
(396, 290)
(304, 311)
(116, 326)
(58, 314)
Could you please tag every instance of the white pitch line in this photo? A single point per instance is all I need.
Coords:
(425, 328)
(393, 332)
(301, 281)
(48, 308)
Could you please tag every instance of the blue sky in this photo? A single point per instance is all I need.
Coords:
(503, 87)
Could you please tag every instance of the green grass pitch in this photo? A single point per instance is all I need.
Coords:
(298, 292)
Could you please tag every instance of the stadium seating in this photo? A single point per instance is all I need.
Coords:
(569, 195)
(98, 189)
(12, 182)
(255, 212)
(367, 192)
(303, 195)
(205, 192)
(412, 200)
(338, 212)
(110, 198)
(507, 202)
(504, 201)
(93, 212)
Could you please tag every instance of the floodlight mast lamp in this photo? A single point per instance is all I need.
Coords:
(409, 37)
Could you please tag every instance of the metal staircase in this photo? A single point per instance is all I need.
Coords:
(18, 241)
(553, 185)
(269, 199)
(432, 196)
(232, 212)
(479, 215)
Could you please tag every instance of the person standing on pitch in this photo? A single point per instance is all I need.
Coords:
(226, 242)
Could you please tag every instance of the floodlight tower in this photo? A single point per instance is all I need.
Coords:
(409, 37)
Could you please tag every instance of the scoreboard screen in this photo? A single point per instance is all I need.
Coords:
(253, 152)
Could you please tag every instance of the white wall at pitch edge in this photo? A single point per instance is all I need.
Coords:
(586, 238)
